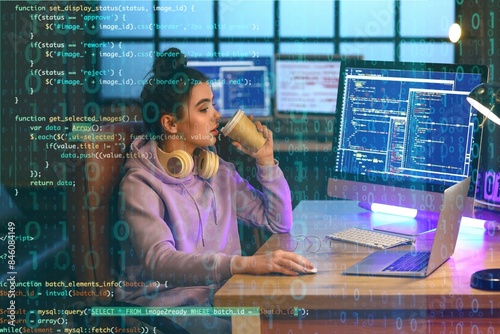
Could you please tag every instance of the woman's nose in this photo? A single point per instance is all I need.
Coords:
(217, 114)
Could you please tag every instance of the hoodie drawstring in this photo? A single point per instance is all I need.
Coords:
(200, 224)
(214, 206)
(214, 203)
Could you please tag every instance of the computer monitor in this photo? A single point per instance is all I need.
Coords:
(404, 132)
(306, 84)
(238, 83)
(306, 94)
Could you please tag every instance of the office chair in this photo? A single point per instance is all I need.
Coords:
(93, 210)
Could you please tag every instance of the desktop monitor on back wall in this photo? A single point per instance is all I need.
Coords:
(305, 93)
(404, 132)
(238, 83)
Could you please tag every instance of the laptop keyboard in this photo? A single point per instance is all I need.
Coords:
(411, 261)
(369, 238)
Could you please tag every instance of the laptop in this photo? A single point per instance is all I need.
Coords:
(421, 263)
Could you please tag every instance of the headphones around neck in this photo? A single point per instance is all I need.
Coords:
(180, 164)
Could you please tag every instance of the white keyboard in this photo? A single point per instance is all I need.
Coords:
(369, 238)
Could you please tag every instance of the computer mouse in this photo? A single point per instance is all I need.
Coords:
(311, 271)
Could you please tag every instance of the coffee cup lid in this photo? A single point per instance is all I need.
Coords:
(232, 122)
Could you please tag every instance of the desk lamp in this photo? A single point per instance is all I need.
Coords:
(486, 99)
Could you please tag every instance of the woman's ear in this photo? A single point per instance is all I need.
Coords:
(168, 123)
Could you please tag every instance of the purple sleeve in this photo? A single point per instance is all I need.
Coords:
(153, 245)
(270, 209)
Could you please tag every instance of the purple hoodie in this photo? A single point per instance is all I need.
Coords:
(183, 233)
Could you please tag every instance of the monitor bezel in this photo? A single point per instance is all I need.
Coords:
(371, 181)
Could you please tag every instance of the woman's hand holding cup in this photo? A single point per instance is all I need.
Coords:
(252, 138)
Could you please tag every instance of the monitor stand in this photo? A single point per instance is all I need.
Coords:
(397, 222)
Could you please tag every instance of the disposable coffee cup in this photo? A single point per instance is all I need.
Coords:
(244, 131)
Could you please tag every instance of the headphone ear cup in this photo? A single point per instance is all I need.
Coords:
(216, 165)
(177, 164)
(208, 164)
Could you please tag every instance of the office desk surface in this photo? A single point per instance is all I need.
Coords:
(445, 293)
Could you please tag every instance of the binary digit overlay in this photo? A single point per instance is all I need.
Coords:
(366, 101)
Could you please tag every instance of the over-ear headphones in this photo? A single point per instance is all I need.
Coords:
(179, 163)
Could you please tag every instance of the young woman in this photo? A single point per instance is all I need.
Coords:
(182, 210)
